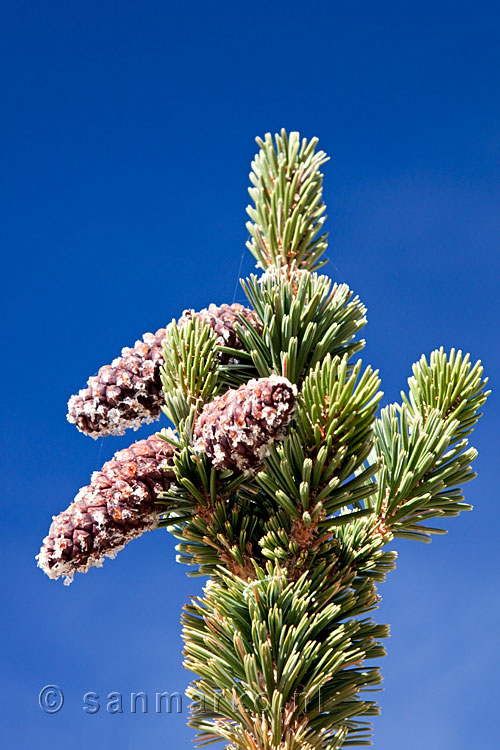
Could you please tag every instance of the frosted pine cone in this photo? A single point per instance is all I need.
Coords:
(128, 393)
(117, 506)
(222, 320)
(235, 430)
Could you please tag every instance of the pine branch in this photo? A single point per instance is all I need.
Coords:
(310, 476)
(450, 384)
(423, 445)
(280, 663)
(303, 319)
(288, 212)
(189, 371)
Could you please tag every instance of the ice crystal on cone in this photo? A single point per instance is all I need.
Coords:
(118, 505)
(235, 430)
(222, 320)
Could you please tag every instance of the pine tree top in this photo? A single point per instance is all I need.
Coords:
(282, 479)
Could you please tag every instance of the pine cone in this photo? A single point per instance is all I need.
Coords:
(235, 430)
(222, 320)
(117, 506)
(128, 393)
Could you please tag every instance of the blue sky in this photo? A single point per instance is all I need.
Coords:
(126, 134)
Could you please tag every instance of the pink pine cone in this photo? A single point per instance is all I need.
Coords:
(128, 392)
(118, 505)
(236, 430)
(124, 394)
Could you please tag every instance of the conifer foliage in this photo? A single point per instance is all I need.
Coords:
(281, 479)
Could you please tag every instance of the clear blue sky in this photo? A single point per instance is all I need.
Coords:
(126, 134)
